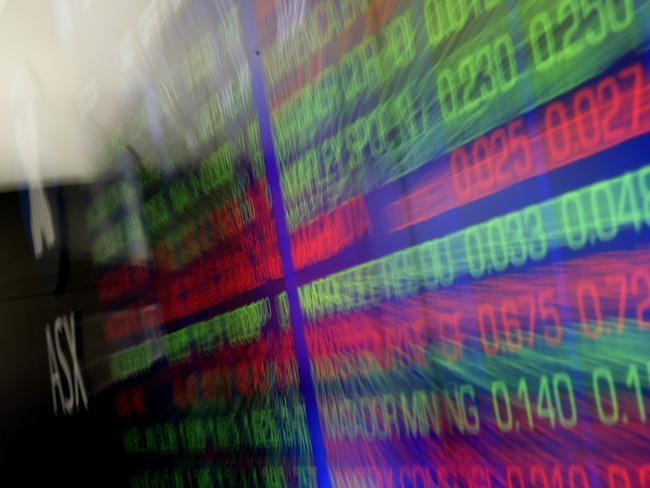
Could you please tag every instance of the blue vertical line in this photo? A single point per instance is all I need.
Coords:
(249, 34)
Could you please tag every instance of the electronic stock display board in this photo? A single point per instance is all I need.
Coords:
(365, 243)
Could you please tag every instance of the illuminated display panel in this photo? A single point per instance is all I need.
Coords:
(484, 327)
(376, 243)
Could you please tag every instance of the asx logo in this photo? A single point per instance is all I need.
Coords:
(68, 363)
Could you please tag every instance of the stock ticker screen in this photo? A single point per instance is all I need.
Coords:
(354, 243)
